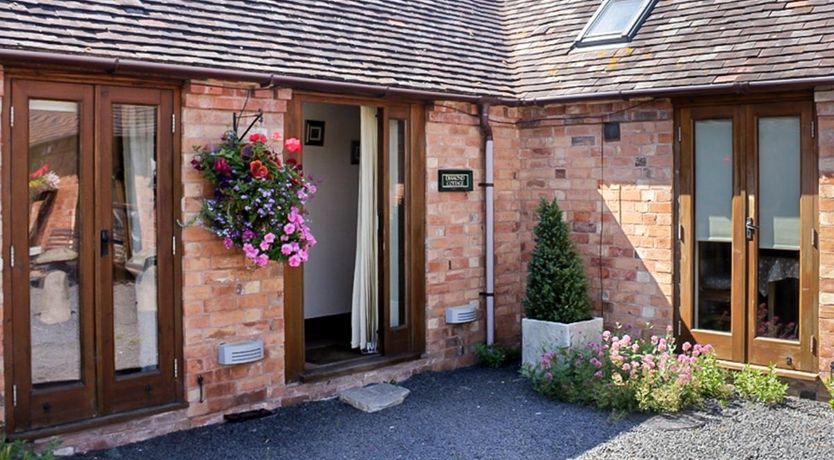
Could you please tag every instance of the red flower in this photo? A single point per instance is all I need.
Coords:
(257, 137)
(258, 170)
(40, 172)
(222, 167)
(292, 145)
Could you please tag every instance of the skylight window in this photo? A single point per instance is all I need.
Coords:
(615, 21)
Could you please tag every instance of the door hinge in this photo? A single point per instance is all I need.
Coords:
(11, 257)
(813, 129)
(815, 238)
(174, 245)
(680, 134)
(173, 122)
(679, 327)
(14, 395)
(11, 116)
(813, 345)
(680, 232)
(176, 371)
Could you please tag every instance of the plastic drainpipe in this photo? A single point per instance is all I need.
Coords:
(489, 191)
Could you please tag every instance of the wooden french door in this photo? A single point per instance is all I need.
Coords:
(92, 293)
(748, 244)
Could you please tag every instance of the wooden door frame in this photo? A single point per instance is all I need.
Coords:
(294, 345)
(684, 185)
(13, 73)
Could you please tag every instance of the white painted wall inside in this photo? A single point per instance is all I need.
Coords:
(328, 275)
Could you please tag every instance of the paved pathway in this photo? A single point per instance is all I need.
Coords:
(492, 414)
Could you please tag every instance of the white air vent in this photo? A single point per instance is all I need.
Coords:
(462, 314)
(239, 353)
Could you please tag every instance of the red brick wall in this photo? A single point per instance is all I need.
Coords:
(455, 230)
(621, 213)
(223, 301)
(825, 122)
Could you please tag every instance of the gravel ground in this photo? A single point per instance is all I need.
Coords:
(493, 414)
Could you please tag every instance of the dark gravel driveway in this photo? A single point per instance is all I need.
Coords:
(493, 414)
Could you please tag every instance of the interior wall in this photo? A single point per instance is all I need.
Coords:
(328, 275)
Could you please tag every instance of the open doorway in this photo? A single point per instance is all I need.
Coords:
(332, 135)
(357, 302)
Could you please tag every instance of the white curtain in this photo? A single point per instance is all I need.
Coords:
(138, 131)
(364, 323)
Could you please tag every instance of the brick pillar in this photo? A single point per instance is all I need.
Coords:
(223, 300)
(825, 122)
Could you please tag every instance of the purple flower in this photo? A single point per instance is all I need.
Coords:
(228, 243)
(294, 261)
(248, 234)
(269, 237)
(289, 229)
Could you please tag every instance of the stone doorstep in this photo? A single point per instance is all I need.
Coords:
(374, 398)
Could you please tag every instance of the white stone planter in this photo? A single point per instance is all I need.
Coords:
(538, 337)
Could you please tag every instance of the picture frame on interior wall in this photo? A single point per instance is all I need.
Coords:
(314, 133)
(354, 152)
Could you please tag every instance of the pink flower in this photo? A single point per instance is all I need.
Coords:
(292, 145)
(264, 245)
(286, 249)
(294, 215)
(262, 260)
(605, 335)
(276, 135)
(634, 348)
(598, 374)
(548, 376)
(250, 251)
(661, 345)
(626, 367)
(596, 363)
(269, 237)
(295, 261)
(289, 229)
(686, 346)
(228, 243)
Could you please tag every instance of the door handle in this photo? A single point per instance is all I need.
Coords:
(105, 243)
(750, 228)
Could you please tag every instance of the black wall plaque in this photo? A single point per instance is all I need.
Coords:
(454, 180)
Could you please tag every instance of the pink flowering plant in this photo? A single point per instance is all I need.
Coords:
(622, 373)
(258, 199)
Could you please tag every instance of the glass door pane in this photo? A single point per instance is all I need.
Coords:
(713, 224)
(54, 298)
(396, 221)
(134, 237)
(777, 284)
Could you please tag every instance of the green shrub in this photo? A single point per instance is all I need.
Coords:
(762, 387)
(496, 355)
(20, 450)
(557, 289)
(712, 380)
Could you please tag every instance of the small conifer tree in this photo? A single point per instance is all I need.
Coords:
(557, 289)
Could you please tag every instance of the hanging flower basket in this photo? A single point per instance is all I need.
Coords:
(258, 202)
